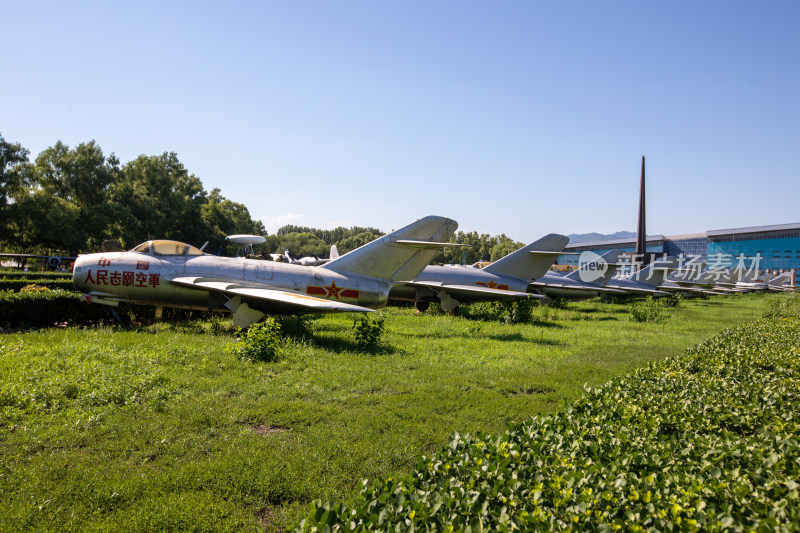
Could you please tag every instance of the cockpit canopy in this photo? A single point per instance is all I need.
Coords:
(164, 247)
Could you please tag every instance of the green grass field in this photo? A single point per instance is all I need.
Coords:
(163, 428)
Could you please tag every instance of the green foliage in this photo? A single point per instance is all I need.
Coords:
(648, 310)
(483, 247)
(36, 309)
(368, 332)
(672, 301)
(75, 198)
(159, 428)
(557, 302)
(262, 341)
(703, 442)
(304, 241)
(298, 244)
(508, 311)
(296, 326)
(32, 287)
(14, 172)
(18, 283)
(15, 273)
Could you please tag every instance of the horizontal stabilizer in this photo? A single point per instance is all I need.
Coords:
(425, 245)
(402, 254)
(546, 253)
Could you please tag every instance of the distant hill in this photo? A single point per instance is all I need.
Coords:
(589, 237)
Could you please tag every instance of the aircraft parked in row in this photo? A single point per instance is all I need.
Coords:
(646, 281)
(508, 277)
(588, 281)
(174, 274)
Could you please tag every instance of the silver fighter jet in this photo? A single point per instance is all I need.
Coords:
(508, 277)
(174, 274)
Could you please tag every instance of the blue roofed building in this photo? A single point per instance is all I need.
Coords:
(772, 248)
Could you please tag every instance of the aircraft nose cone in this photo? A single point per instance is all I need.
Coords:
(78, 273)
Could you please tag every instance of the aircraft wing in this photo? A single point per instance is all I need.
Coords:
(642, 290)
(576, 287)
(693, 290)
(303, 302)
(470, 289)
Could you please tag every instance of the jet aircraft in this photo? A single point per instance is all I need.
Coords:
(174, 274)
(645, 282)
(52, 261)
(508, 277)
(286, 257)
(572, 285)
(709, 282)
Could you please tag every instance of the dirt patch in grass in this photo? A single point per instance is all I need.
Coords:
(266, 429)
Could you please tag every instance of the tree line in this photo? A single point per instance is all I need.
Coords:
(76, 199)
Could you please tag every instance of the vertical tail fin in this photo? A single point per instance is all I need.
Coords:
(400, 255)
(656, 272)
(609, 261)
(526, 263)
(784, 279)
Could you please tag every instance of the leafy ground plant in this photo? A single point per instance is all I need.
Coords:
(706, 441)
(260, 342)
(648, 310)
(368, 332)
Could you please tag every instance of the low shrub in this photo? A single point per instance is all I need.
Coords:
(34, 309)
(52, 282)
(648, 310)
(672, 301)
(260, 342)
(509, 311)
(368, 332)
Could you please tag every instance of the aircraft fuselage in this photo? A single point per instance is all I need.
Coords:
(146, 279)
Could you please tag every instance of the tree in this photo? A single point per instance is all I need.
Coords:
(156, 196)
(298, 244)
(223, 217)
(82, 177)
(38, 221)
(354, 241)
(14, 172)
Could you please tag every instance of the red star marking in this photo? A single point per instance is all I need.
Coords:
(332, 290)
(491, 284)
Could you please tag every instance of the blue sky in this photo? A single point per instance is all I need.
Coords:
(523, 118)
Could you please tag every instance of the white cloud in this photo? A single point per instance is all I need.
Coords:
(274, 223)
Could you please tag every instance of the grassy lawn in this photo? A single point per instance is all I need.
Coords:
(162, 428)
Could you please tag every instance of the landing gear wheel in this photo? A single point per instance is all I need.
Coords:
(421, 306)
(456, 311)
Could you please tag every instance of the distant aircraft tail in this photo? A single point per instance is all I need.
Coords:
(401, 255)
(656, 272)
(531, 261)
(334, 253)
(609, 260)
(785, 279)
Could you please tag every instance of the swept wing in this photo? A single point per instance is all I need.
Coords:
(280, 297)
